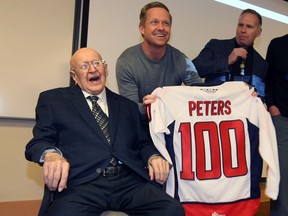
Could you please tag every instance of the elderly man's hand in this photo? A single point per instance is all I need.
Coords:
(56, 170)
(158, 169)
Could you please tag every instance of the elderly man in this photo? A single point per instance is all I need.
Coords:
(94, 148)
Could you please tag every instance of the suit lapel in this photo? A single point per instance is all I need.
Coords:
(79, 102)
(114, 109)
(229, 47)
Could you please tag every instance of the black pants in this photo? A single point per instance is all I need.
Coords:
(125, 192)
(279, 207)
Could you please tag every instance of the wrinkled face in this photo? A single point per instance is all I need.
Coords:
(88, 70)
(157, 27)
(248, 29)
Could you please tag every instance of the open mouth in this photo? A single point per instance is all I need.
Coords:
(160, 35)
(94, 79)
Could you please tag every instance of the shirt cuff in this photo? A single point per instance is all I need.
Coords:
(54, 150)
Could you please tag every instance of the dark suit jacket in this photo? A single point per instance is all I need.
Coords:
(213, 59)
(277, 76)
(64, 120)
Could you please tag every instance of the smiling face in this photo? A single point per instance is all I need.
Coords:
(90, 78)
(157, 27)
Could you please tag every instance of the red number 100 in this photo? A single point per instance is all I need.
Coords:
(219, 139)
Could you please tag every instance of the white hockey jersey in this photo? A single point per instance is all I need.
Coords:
(215, 137)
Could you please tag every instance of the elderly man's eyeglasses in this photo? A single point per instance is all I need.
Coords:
(98, 64)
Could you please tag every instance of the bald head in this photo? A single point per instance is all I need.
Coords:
(82, 53)
(88, 70)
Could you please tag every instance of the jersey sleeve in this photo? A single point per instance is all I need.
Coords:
(158, 126)
(268, 151)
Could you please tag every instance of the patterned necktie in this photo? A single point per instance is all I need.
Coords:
(101, 118)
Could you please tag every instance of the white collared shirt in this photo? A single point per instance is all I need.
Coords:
(102, 101)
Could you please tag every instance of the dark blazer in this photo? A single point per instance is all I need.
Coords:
(212, 64)
(65, 121)
(214, 59)
(277, 76)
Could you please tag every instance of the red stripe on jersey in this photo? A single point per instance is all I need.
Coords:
(246, 207)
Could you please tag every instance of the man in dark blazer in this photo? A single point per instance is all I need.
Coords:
(88, 173)
(277, 105)
(235, 59)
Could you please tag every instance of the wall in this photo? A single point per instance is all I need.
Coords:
(20, 179)
(36, 45)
